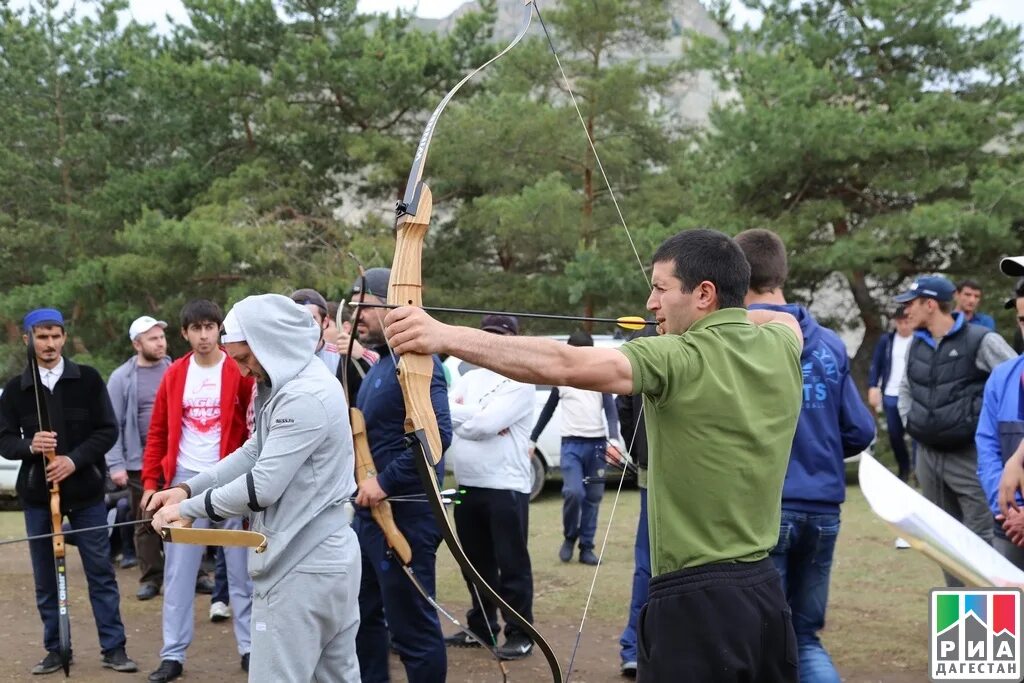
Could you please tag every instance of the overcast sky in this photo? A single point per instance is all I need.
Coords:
(155, 11)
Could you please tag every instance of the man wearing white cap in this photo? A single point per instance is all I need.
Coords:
(132, 388)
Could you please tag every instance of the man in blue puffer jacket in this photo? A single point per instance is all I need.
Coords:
(834, 423)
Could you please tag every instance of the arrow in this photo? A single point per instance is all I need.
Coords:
(626, 322)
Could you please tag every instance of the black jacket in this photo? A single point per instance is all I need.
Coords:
(81, 414)
(946, 386)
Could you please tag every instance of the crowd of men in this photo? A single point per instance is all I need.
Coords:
(740, 486)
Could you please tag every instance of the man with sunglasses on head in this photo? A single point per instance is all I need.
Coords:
(948, 363)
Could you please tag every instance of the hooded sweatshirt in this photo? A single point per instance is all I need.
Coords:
(293, 476)
(834, 422)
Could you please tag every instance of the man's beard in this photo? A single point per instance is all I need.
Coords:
(372, 338)
(151, 358)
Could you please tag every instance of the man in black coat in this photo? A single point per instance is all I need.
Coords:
(84, 429)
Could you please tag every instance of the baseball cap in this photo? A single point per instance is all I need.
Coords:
(1018, 291)
(43, 316)
(377, 280)
(232, 329)
(1012, 266)
(310, 296)
(927, 287)
(144, 324)
(500, 324)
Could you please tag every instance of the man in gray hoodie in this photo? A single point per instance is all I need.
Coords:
(293, 478)
(132, 389)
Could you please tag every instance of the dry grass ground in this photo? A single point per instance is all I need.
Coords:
(877, 628)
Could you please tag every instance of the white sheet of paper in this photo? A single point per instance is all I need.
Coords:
(915, 518)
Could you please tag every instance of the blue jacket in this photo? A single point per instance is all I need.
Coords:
(834, 422)
(881, 361)
(380, 399)
(983, 319)
(1000, 427)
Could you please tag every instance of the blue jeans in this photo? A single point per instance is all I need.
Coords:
(94, 549)
(894, 425)
(641, 582)
(803, 558)
(582, 459)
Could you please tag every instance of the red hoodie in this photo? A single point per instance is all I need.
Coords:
(160, 459)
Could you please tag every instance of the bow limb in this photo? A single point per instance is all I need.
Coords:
(56, 517)
(215, 537)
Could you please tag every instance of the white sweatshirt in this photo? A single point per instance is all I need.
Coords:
(491, 420)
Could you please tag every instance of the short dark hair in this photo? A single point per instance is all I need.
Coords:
(766, 255)
(332, 309)
(199, 311)
(972, 284)
(701, 254)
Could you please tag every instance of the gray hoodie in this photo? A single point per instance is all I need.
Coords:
(294, 475)
(123, 388)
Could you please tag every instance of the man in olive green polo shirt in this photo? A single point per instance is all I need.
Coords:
(722, 391)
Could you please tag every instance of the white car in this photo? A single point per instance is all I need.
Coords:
(8, 472)
(548, 452)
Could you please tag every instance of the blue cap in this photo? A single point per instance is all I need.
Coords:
(43, 316)
(928, 287)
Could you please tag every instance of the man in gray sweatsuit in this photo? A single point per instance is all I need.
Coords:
(292, 478)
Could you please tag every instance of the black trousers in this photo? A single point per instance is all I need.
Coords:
(718, 623)
(492, 525)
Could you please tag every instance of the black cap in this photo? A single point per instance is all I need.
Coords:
(310, 296)
(1018, 291)
(500, 324)
(580, 338)
(377, 280)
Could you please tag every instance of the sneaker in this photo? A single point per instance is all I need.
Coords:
(49, 664)
(565, 552)
(462, 639)
(205, 585)
(219, 612)
(628, 669)
(118, 660)
(901, 544)
(516, 646)
(245, 662)
(147, 591)
(129, 562)
(167, 671)
(587, 556)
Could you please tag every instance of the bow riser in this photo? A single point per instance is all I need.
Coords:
(415, 371)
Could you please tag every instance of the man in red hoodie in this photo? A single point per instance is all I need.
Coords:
(198, 418)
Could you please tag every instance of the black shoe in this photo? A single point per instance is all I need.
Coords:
(587, 556)
(462, 639)
(205, 585)
(118, 660)
(628, 669)
(147, 591)
(49, 664)
(516, 646)
(565, 552)
(168, 671)
(245, 662)
(129, 562)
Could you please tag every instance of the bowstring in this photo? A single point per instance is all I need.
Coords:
(643, 274)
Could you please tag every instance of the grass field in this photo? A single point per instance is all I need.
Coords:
(876, 631)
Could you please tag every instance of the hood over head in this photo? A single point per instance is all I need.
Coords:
(282, 334)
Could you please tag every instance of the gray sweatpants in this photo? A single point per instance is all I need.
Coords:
(950, 480)
(304, 628)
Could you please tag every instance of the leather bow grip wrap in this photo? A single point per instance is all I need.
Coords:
(366, 469)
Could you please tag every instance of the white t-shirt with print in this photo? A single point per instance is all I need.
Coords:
(199, 447)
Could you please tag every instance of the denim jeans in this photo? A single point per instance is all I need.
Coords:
(582, 459)
(94, 549)
(641, 582)
(803, 558)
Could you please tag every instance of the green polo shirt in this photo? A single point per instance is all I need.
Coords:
(721, 403)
